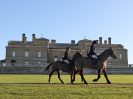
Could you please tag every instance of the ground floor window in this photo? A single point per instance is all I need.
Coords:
(26, 63)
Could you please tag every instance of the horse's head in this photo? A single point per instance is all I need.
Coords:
(111, 53)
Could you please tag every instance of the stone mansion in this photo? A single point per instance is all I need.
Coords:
(41, 51)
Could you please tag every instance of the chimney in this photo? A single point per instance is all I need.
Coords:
(100, 40)
(72, 41)
(53, 41)
(33, 38)
(24, 38)
(105, 41)
(109, 40)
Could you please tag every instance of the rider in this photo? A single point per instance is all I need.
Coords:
(92, 52)
(66, 55)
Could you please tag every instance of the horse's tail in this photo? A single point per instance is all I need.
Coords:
(48, 67)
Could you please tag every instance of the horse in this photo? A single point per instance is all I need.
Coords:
(100, 64)
(60, 66)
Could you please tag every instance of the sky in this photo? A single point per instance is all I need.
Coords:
(66, 20)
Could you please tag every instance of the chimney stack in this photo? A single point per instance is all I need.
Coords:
(53, 41)
(109, 40)
(24, 38)
(33, 38)
(100, 40)
(72, 41)
(105, 41)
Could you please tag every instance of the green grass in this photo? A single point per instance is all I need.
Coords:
(37, 87)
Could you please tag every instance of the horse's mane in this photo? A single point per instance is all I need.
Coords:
(104, 52)
(78, 54)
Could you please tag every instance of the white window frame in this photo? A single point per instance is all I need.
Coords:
(39, 54)
(55, 58)
(120, 56)
(39, 62)
(14, 54)
(26, 54)
(26, 63)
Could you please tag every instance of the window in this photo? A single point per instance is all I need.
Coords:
(39, 54)
(39, 62)
(13, 62)
(109, 64)
(26, 54)
(55, 58)
(13, 54)
(120, 56)
(26, 63)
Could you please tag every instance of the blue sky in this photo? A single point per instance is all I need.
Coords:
(65, 20)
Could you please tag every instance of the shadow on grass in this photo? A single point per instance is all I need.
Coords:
(130, 84)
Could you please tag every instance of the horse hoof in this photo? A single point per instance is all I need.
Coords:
(86, 83)
(72, 83)
(94, 80)
(109, 82)
(63, 83)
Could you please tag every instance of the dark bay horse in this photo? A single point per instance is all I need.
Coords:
(60, 66)
(101, 64)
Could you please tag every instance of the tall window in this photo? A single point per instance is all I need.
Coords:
(120, 56)
(55, 58)
(13, 54)
(26, 54)
(39, 54)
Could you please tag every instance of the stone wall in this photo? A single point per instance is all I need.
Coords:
(39, 70)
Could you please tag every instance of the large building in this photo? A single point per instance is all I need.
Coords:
(41, 51)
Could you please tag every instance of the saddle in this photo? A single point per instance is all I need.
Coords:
(93, 61)
(66, 61)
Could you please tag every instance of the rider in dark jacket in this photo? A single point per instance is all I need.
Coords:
(92, 52)
(66, 54)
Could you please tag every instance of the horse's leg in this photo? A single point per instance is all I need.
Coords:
(75, 72)
(105, 75)
(73, 79)
(72, 72)
(50, 75)
(99, 75)
(82, 77)
(59, 77)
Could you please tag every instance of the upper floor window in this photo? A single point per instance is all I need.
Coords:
(39, 54)
(13, 54)
(26, 54)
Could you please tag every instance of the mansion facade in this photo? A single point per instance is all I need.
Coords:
(42, 51)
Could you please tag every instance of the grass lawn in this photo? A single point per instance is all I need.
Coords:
(37, 87)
